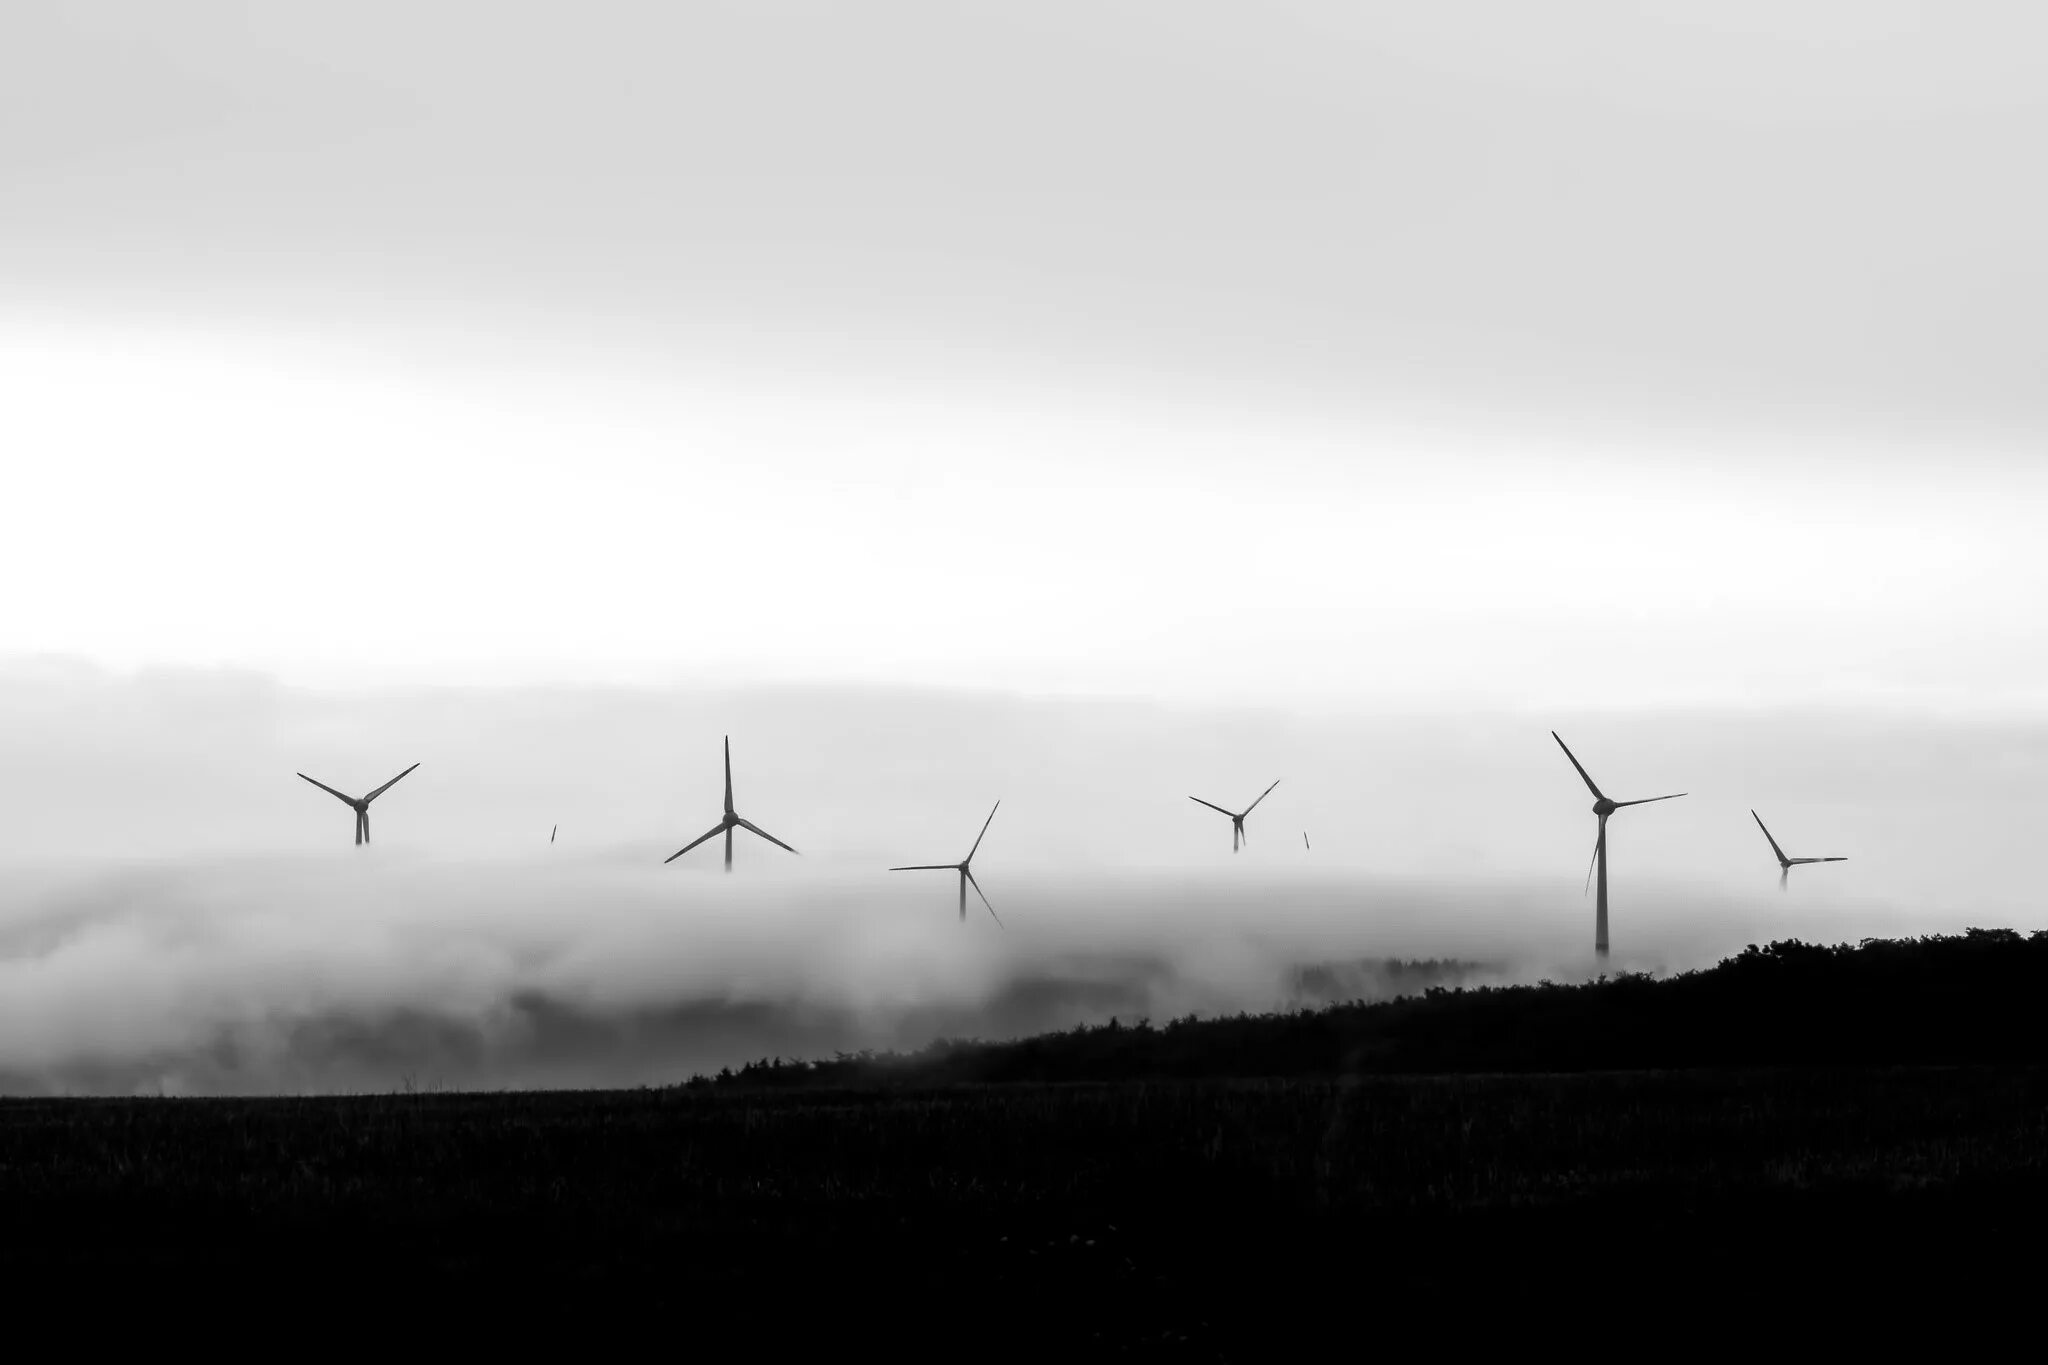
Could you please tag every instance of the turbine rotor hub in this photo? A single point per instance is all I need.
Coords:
(1604, 807)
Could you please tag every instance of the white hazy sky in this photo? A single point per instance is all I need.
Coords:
(1584, 354)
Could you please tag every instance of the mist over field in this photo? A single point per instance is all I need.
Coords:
(179, 912)
(331, 972)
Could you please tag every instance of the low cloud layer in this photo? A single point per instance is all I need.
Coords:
(318, 974)
(179, 911)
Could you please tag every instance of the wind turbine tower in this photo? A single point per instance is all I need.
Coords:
(1237, 836)
(727, 825)
(1785, 865)
(966, 870)
(361, 804)
(1603, 807)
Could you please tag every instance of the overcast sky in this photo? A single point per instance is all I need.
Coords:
(1192, 393)
(1581, 353)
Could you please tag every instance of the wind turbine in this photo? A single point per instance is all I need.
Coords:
(361, 804)
(729, 823)
(1603, 808)
(966, 871)
(1785, 865)
(1237, 835)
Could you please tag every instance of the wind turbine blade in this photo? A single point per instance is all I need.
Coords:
(728, 774)
(694, 842)
(1831, 860)
(1598, 795)
(364, 816)
(1767, 835)
(749, 824)
(1196, 799)
(359, 829)
(1784, 873)
(1598, 840)
(551, 833)
(1648, 799)
(388, 785)
(1262, 796)
(984, 834)
(928, 867)
(984, 896)
(339, 796)
(1304, 838)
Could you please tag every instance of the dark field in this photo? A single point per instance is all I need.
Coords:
(1211, 1219)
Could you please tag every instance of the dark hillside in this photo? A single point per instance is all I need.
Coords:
(1210, 1220)
(1176, 1211)
(1980, 996)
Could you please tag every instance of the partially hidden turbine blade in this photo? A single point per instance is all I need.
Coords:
(1598, 840)
(984, 833)
(1648, 799)
(694, 842)
(387, 786)
(928, 867)
(1782, 859)
(1584, 776)
(983, 894)
(339, 796)
(750, 825)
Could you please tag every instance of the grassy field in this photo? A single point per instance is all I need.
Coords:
(1205, 1219)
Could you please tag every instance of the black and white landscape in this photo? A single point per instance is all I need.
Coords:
(910, 432)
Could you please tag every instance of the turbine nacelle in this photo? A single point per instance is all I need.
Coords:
(728, 822)
(1603, 807)
(964, 870)
(1786, 864)
(1237, 834)
(359, 804)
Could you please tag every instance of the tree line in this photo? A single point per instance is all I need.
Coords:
(1978, 996)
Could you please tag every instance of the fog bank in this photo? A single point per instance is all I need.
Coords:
(335, 972)
(179, 910)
